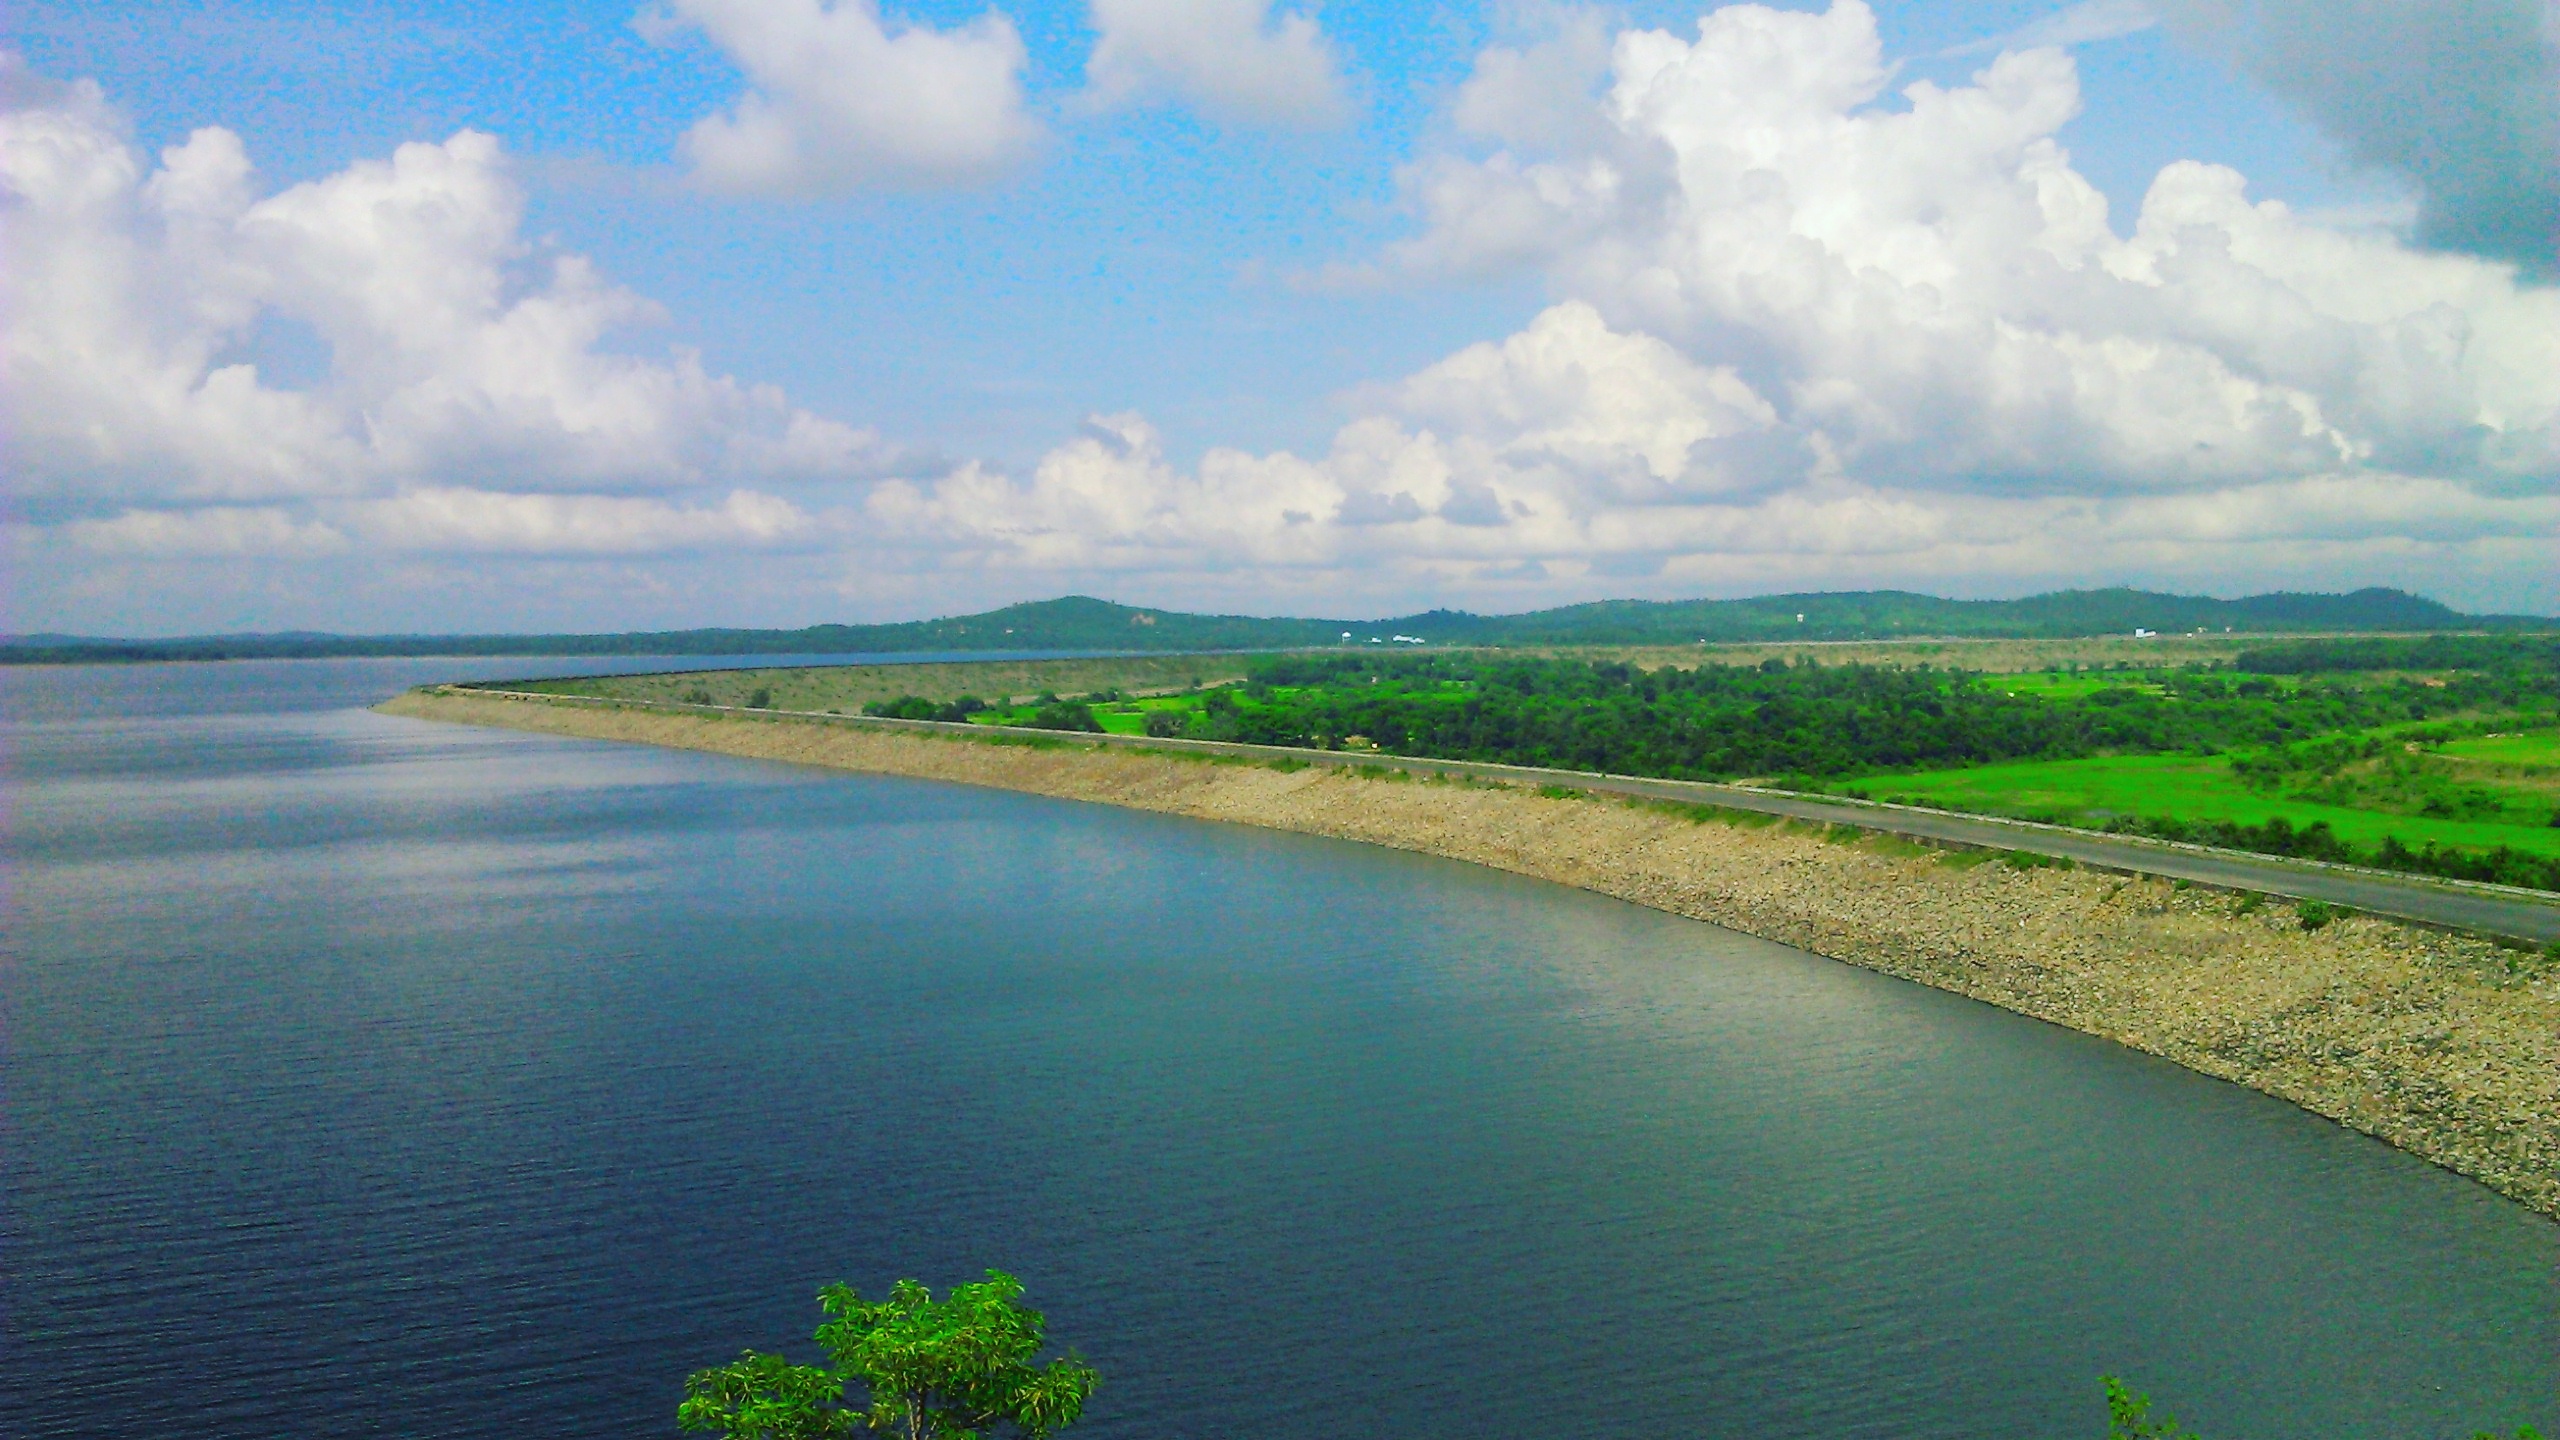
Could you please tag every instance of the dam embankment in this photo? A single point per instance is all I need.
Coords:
(2443, 1045)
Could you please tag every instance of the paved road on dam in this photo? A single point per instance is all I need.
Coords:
(2485, 909)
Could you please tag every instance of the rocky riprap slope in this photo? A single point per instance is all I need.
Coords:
(2446, 1046)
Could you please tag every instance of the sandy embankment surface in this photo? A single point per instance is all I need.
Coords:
(2445, 1046)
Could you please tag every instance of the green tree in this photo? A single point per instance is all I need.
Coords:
(2129, 1416)
(1066, 715)
(929, 1369)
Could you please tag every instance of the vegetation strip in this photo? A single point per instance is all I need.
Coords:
(2444, 1045)
(2499, 912)
(2436, 756)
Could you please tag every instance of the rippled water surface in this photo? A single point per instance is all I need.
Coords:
(360, 1076)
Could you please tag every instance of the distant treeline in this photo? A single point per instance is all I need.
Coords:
(1082, 624)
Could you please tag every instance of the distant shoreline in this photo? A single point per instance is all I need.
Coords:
(2437, 1044)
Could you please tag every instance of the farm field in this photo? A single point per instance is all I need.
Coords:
(2092, 792)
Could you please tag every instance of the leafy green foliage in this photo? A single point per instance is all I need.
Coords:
(1065, 715)
(2315, 914)
(927, 1369)
(1797, 720)
(2363, 772)
(916, 707)
(2129, 1416)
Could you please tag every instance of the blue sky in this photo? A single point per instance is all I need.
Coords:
(1231, 281)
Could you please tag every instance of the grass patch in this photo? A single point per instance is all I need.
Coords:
(1027, 742)
(1562, 792)
(2314, 914)
(2056, 685)
(1188, 757)
(2538, 750)
(2198, 789)
(2029, 860)
(1695, 814)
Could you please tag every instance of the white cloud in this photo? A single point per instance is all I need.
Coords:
(1810, 336)
(460, 360)
(1230, 59)
(209, 532)
(1569, 389)
(1541, 92)
(1801, 333)
(838, 98)
(482, 521)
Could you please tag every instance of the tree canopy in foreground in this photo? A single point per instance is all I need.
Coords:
(926, 1369)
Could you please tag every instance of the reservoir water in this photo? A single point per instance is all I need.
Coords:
(362, 1076)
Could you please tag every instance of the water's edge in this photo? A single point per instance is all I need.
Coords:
(2437, 1044)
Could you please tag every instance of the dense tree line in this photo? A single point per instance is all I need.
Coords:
(1787, 719)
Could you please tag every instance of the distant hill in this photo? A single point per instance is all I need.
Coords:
(1079, 622)
(1886, 614)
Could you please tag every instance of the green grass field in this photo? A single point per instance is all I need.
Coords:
(2091, 792)
(2536, 750)
(2056, 685)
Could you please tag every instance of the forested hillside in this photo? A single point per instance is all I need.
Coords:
(1080, 623)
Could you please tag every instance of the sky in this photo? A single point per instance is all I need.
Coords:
(589, 316)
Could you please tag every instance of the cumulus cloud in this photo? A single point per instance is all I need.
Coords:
(2461, 97)
(227, 532)
(481, 521)
(1801, 331)
(839, 98)
(1540, 92)
(1807, 333)
(1230, 59)
(460, 361)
